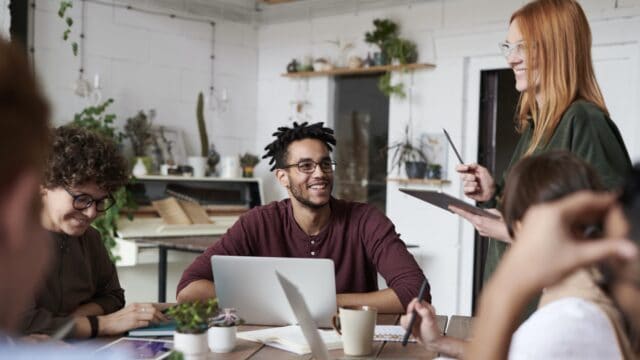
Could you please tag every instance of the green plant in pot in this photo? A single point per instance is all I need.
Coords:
(405, 51)
(199, 163)
(384, 31)
(409, 154)
(222, 330)
(248, 162)
(97, 119)
(192, 322)
(138, 130)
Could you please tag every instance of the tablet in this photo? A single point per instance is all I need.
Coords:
(151, 349)
(443, 201)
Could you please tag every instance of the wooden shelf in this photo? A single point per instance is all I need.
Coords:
(369, 70)
(433, 182)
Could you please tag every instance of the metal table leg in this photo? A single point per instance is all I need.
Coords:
(162, 274)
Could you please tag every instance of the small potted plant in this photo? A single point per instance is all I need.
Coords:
(406, 153)
(191, 319)
(248, 161)
(384, 31)
(222, 330)
(434, 171)
(138, 131)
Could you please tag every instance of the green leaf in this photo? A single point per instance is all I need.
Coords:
(69, 21)
(74, 48)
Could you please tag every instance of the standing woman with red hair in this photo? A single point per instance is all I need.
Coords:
(561, 107)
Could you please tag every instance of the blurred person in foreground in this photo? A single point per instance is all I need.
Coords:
(25, 247)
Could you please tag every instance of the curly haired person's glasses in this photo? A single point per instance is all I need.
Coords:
(309, 166)
(83, 201)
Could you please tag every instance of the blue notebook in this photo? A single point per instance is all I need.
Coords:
(164, 329)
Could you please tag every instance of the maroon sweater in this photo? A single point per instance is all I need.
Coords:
(359, 239)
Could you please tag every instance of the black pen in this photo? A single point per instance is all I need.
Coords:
(405, 339)
(453, 146)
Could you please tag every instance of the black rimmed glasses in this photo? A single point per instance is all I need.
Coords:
(84, 201)
(519, 48)
(309, 166)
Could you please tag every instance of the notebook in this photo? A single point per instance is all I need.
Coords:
(291, 338)
(163, 329)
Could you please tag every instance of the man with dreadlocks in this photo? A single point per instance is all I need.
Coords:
(359, 239)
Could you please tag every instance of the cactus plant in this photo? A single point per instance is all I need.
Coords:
(202, 128)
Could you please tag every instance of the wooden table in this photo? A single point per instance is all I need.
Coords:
(384, 350)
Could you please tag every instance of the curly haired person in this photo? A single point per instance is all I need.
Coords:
(82, 172)
(359, 239)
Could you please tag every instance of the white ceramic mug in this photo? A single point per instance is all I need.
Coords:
(356, 325)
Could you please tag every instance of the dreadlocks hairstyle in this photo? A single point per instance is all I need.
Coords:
(277, 150)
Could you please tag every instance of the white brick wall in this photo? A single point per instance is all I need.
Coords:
(5, 18)
(147, 61)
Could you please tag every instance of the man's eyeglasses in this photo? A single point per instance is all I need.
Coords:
(519, 48)
(309, 166)
(84, 201)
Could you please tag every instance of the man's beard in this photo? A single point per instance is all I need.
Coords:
(297, 194)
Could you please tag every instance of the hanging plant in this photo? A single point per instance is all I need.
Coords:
(68, 20)
(385, 86)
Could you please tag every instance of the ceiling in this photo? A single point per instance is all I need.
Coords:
(270, 11)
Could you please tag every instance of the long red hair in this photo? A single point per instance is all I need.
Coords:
(558, 40)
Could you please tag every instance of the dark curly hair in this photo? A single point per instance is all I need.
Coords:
(277, 150)
(82, 156)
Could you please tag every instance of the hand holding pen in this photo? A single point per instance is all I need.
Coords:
(411, 307)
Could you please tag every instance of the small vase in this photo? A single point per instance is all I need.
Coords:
(247, 171)
(222, 339)
(190, 344)
(415, 169)
(199, 165)
(139, 169)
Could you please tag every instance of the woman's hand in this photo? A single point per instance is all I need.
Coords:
(131, 317)
(425, 328)
(477, 182)
(493, 228)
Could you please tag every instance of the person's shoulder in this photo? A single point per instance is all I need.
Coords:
(354, 208)
(570, 328)
(584, 113)
(274, 209)
(92, 236)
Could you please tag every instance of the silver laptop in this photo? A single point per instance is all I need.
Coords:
(249, 284)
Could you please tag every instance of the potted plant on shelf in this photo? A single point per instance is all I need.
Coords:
(384, 31)
(222, 330)
(199, 163)
(191, 319)
(138, 130)
(248, 161)
(409, 154)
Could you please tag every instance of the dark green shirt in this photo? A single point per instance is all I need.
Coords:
(588, 133)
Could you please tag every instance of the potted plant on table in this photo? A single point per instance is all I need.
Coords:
(248, 161)
(191, 320)
(222, 330)
(409, 154)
